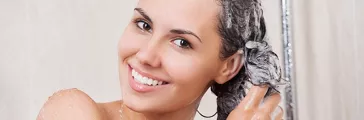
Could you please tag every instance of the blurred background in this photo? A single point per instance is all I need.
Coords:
(49, 45)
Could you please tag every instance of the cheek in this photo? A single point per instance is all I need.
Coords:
(129, 43)
(191, 77)
(193, 73)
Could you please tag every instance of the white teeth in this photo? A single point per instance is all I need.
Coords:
(149, 81)
(155, 82)
(133, 72)
(139, 77)
(144, 80)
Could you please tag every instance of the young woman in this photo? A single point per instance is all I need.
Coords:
(172, 52)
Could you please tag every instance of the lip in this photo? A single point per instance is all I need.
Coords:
(141, 87)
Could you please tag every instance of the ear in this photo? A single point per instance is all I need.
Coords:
(231, 66)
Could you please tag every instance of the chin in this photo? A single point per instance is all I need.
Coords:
(144, 105)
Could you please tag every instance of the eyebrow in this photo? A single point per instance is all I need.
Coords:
(175, 31)
(141, 12)
(181, 31)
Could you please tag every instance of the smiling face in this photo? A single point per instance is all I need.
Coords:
(169, 54)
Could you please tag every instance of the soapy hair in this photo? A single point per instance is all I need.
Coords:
(242, 26)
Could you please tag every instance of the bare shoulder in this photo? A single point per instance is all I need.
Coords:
(71, 104)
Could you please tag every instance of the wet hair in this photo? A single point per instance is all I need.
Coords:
(242, 26)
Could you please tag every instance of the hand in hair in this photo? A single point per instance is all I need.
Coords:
(251, 108)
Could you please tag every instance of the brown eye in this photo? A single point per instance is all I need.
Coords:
(144, 26)
(182, 43)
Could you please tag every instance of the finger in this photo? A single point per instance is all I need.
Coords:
(270, 103)
(269, 109)
(253, 98)
(261, 114)
(278, 115)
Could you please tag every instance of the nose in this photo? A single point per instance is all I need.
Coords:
(149, 54)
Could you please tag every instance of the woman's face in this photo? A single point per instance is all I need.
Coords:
(169, 54)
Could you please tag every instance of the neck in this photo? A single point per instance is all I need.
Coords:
(186, 113)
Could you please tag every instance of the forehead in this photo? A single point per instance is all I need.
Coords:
(187, 14)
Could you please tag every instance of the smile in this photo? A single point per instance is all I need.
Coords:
(145, 80)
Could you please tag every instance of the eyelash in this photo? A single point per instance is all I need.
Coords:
(137, 21)
(188, 46)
